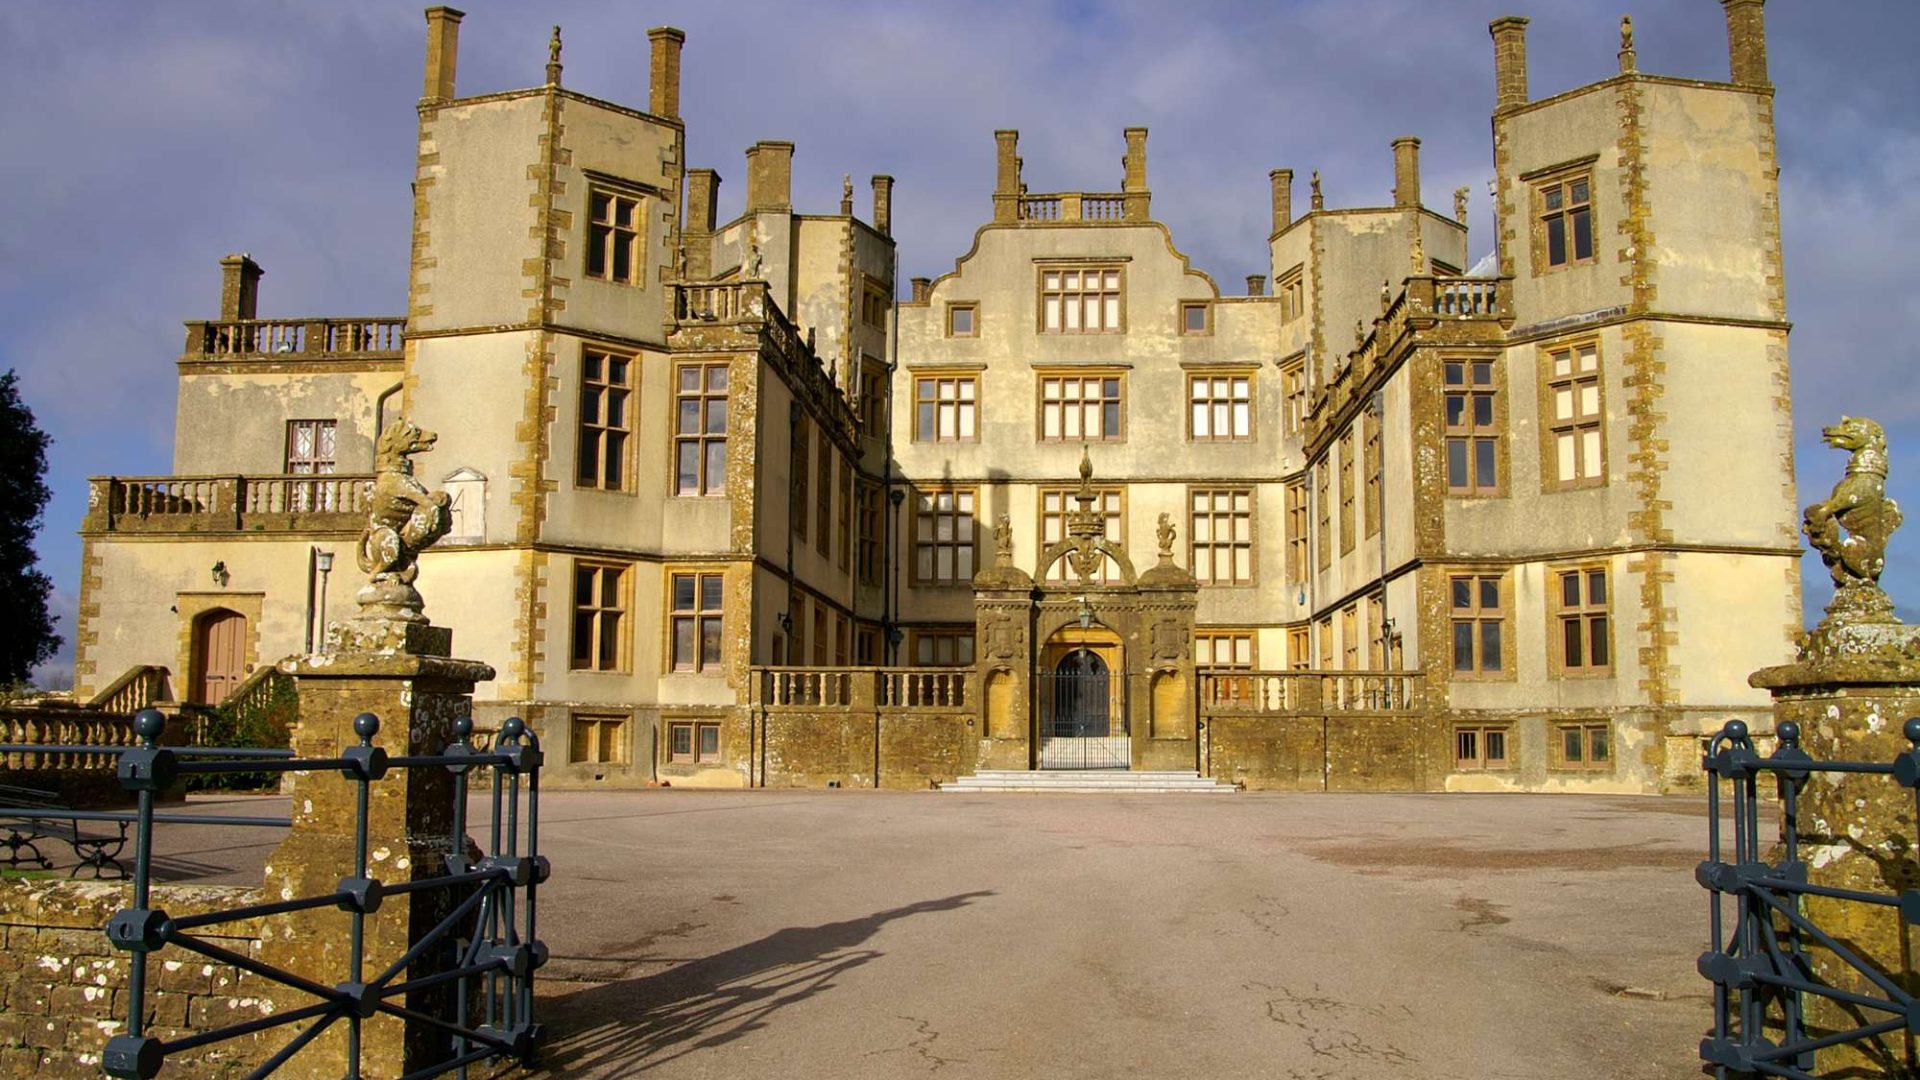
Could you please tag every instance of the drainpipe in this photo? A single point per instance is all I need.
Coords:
(1378, 405)
(889, 593)
(793, 498)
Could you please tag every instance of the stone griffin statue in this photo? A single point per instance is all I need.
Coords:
(1860, 508)
(403, 519)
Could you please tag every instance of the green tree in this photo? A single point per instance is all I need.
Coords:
(28, 637)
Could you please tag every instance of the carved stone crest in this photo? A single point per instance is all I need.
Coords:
(403, 519)
(1851, 527)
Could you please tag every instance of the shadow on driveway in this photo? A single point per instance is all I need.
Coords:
(714, 1000)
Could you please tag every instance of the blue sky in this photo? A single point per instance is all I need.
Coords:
(144, 141)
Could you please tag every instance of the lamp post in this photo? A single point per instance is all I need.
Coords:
(323, 562)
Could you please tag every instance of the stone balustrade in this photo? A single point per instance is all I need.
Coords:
(1291, 693)
(863, 689)
(335, 502)
(1083, 206)
(70, 726)
(378, 337)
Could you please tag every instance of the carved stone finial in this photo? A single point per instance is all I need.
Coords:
(553, 58)
(1386, 295)
(750, 267)
(1086, 469)
(1359, 333)
(1417, 254)
(403, 519)
(1003, 540)
(1318, 201)
(1860, 507)
(846, 194)
(1165, 533)
(1628, 59)
(1460, 204)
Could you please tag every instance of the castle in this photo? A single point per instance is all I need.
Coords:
(731, 507)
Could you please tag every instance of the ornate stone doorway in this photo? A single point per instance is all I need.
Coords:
(1081, 699)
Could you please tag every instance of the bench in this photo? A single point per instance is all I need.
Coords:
(42, 820)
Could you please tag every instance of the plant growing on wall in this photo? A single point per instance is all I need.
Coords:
(29, 637)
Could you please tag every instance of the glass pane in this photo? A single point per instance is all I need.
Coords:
(1570, 589)
(1113, 312)
(1570, 744)
(1483, 470)
(1600, 740)
(616, 459)
(1456, 410)
(683, 586)
(582, 638)
(1597, 634)
(1200, 414)
(1563, 458)
(1579, 191)
(1463, 594)
(1111, 420)
(1490, 646)
(716, 482)
(1482, 374)
(1553, 198)
(596, 251)
(710, 589)
(1456, 374)
(1463, 646)
(616, 408)
(1562, 364)
(966, 422)
(1557, 242)
(689, 379)
(1467, 746)
(1582, 234)
(709, 641)
(1483, 410)
(1563, 403)
(687, 468)
(609, 641)
(623, 213)
(1590, 399)
(1597, 587)
(1496, 746)
(709, 740)
(1457, 463)
(622, 261)
(716, 416)
(1489, 594)
(925, 428)
(682, 735)
(1196, 317)
(1589, 358)
(683, 645)
(717, 379)
(1590, 452)
(1570, 653)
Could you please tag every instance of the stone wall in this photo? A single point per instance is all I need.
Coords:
(902, 751)
(63, 988)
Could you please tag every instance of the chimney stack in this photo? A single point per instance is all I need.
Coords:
(1509, 61)
(1747, 40)
(240, 287)
(1282, 198)
(443, 48)
(1006, 178)
(1134, 182)
(922, 289)
(883, 204)
(665, 97)
(1406, 172)
(703, 199)
(769, 176)
(1256, 284)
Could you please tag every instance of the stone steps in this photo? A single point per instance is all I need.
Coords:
(1090, 782)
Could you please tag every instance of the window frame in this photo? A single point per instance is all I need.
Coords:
(598, 725)
(1482, 760)
(843, 517)
(1373, 461)
(1350, 643)
(972, 309)
(1293, 396)
(1322, 516)
(1246, 404)
(698, 616)
(1349, 493)
(1232, 637)
(1479, 615)
(965, 403)
(704, 398)
(319, 465)
(1235, 543)
(961, 639)
(800, 469)
(604, 388)
(596, 613)
(823, 495)
(636, 243)
(1583, 616)
(695, 753)
(1472, 433)
(1119, 292)
(970, 543)
(1297, 526)
(1290, 288)
(872, 521)
(1553, 427)
(1587, 761)
(1566, 216)
(1064, 405)
(1183, 308)
(1300, 647)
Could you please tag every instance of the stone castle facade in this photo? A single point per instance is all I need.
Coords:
(731, 507)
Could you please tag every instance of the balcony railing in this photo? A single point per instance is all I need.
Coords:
(1284, 693)
(284, 503)
(863, 689)
(748, 304)
(296, 339)
(1083, 206)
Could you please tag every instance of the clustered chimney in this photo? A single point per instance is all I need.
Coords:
(1747, 40)
(1282, 198)
(1406, 171)
(703, 208)
(769, 176)
(664, 100)
(443, 48)
(1134, 181)
(240, 287)
(883, 204)
(922, 289)
(1509, 61)
(1256, 284)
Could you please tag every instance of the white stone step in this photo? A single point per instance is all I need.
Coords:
(1090, 782)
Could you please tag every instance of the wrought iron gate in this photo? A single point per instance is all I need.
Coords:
(1761, 970)
(1083, 714)
(478, 963)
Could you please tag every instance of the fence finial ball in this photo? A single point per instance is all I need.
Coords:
(463, 727)
(1789, 733)
(148, 723)
(366, 725)
(1736, 729)
(1911, 729)
(513, 728)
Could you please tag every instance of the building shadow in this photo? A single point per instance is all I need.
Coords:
(618, 1028)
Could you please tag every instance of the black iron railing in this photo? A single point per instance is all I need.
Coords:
(485, 949)
(1760, 967)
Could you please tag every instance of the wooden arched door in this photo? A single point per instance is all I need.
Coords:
(220, 655)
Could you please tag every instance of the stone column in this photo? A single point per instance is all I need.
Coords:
(1166, 693)
(402, 674)
(1003, 636)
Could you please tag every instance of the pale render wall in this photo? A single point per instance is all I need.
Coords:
(470, 391)
(479, 217)
(237, 423)
(1726, 446)
(1733, 621)
(1708, 171)
(624, 147)
(1574, 127)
